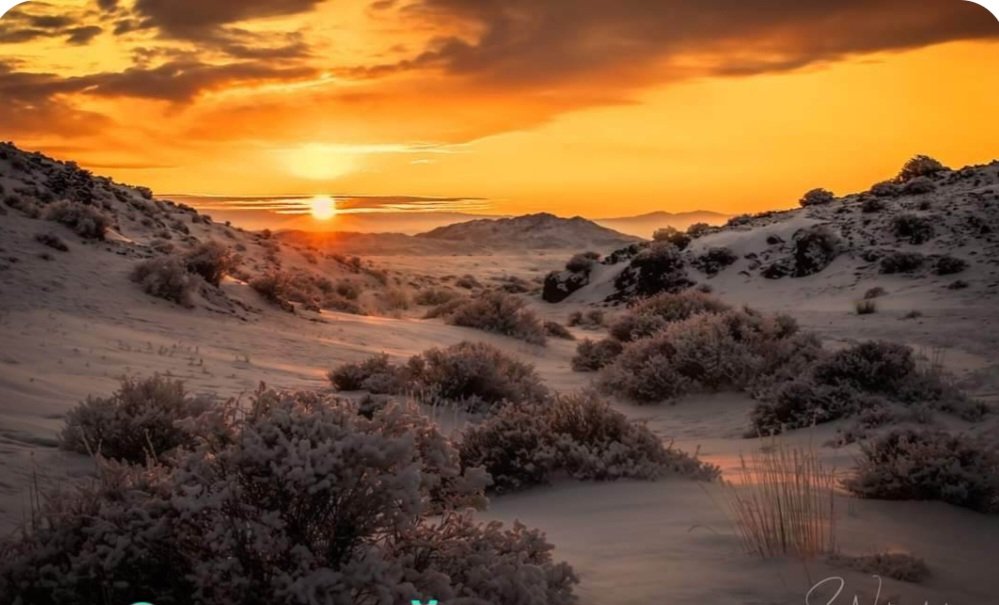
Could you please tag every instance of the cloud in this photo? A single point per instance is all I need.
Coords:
(83, 35)
(526, 43)
(33, 20)
(196, 18)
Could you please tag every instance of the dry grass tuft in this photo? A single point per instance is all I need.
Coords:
(783, 503)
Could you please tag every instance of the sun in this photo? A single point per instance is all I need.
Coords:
(323, 207)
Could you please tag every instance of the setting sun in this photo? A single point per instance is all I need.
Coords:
(323, 207)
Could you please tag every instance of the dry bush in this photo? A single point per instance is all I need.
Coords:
(949, 265)
(699, 230)
(577, 435)
(137, 421)
(895, 565)
(875, 292)
(166, 277)
(918, 166)
(593, 355)
(885, 189)
(375, 374)
(673, 236)
(212, 261)
(913, 228)
(313, 292)
(783, 504)
(713, 260)
(582, 262)
(554, 329)
(435, 296)
(501, 314)
(589, 320)
(865, 307)
(929, 465)
(816, 197)
(52, 241)
(901, 262)
(85, 221)
(308, 502)
(872, 205)
(658, 268)
(650, 315)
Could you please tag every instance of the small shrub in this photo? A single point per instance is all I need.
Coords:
(815, 248)
(85, 221)
(499, 313)
(590, 320)
(651, 314)
(895, 565)
(885, 189)
(699, 230)
(583, 262)
(557, 330)
(52, 241)
(166, 277)
(211, 260)
(872, 205)
(468, 282)
(919, 186)
(875, 292)
(916, 229)
(593, 355)
(434, 296)
(902, 262)
(577, 435)
(866, 307)
(929, 465)
(138, 420)
(949, 265)
(959, 284)
(658, 268)
(376, 375)
(919, 166)
(673, 236)
(715, 259)
(816, 197)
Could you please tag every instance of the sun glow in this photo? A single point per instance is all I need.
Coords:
(322, 207)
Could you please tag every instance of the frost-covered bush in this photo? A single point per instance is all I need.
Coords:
(929, 465)
(577, 435)
(582, 262)
(913, 228)
(902, 262)
(814, 249)
(919, 186)
(650, 315)
(211, 260)
(816, 197)
(557, 330)
(138, 420)
(872, 205)
(885, 189)
(918, 166)
(166, 277)
(85, 221)
(703, 352)
(949, 265)
(658, 268)
(311, 503)
(593, 355)
(699, 230)
(475, 374)
(715, 259)
(375, 374)
(673, 236)
(500, 313)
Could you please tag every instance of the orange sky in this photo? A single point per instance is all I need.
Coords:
(593, 107)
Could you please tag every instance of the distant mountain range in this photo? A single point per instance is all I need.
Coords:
(533, 231)
(644, 225)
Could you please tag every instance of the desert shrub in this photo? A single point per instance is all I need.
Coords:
(958, 284)
(52, 241)
(929, 465)
(311, 503)
(475, 374)
(582, 262)
(166, 277)
(499, 313)
(593, 355)
(885, 189)
(140, 419)
(673, 236)
(703, 352)
(591, 319)
(865, 307)
(894, 565)
(468, 282)
(699, 230)
(918, 166)
(949, 265)
(85, 221)
(272, 287)
(871, 205)
(814, 249)
(211, 260)
(714, 260)
(375, 374)
(919, 186)
(651, 314)
(658, 268)
(875, 292)
(816, 197)
(576, 435)
(26, 206)
(313, 292)
(434, 296)
(913, 228)
(902, 262)
(557, 330)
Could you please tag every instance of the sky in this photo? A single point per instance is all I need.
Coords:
(593, 107)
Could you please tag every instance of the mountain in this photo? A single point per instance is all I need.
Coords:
(644, 225)
(532, 231)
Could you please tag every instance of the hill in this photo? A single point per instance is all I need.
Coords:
(644, 225)
(535, 231)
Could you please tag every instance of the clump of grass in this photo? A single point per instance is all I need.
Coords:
(866, 307)
(895, 565)
(783, 503)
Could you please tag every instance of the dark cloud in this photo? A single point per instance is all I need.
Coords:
(527, 41)
(196, 18)
(83, 35)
